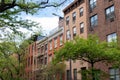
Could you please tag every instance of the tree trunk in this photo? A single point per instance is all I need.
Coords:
(93, 74)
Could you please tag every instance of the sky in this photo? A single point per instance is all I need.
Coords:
(46, 19)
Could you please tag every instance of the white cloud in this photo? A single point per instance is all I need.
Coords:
(47, 23)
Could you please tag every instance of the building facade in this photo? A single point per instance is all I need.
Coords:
(97, 17)
(81, 18)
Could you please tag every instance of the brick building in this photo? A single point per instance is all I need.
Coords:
(99, 17)
(31, 50)
(81, 17)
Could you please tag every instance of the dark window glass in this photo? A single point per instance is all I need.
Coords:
(75, 74)
(81, 27)
(74, 17)
(74, 31)
(93, 4)
(67, 20)
(109, 12)
(81, 11)
(94, 20)
(68, 74)
(114, 73)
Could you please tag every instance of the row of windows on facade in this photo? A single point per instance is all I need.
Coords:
(109, 12)
(93, 3)
(114, 74)
(56, 42)
(42, 48)
(74, 16)
(74, 30)
(42, 60)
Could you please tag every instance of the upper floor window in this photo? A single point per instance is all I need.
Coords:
(55, 42)
(50, 45)
(81, 27)
(112, 37)
(67, 20)
(114, 73)
(109, 12)
(74, 31)
(93, 4)
(94, 20)
(61, 39)
(75, 74)
(81, 11)
(74, 17)
(68, 75)
(45, 47)
(68, 34)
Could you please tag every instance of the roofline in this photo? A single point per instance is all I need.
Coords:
(69, 5)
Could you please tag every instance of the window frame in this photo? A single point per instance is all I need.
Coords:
(75, 73)
(92, 4)
(94, 20)
(55, 42)
(61, 39)
(109, 13)
(115, 73)
(67, 20)
(74, 17)
(81, 10)
(68, 34)
(113, 37)
(81, 27)
(74, 31)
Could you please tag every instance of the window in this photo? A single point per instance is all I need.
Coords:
(74, 31)
(75, 74)
(110, 13)
(92, 4)
(67, 20)
(81, 11)
(74, 17)
(68, 74)
(55, 42)
(42, 49)
(83, 73)
(45, 60)
(114, 74)
(50, 45)
(94, 20)
(61, 39)
(45, 47)
(112, 37)
(81, 27)
(68, 34)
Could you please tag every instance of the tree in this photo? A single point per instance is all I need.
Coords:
(13, 53)
(55, 71)
(28, 6)
(90, 50)
(11, 10)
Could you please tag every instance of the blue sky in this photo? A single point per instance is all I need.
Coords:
(46, 19)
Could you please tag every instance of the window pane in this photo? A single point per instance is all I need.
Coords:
(107, 11)
(112, 9)
(117, 77)
(112, 72)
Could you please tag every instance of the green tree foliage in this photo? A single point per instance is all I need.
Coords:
(55, 71)
(90, 50)
(12, 62)
(11, 10)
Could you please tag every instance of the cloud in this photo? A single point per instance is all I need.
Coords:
(47, 23)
